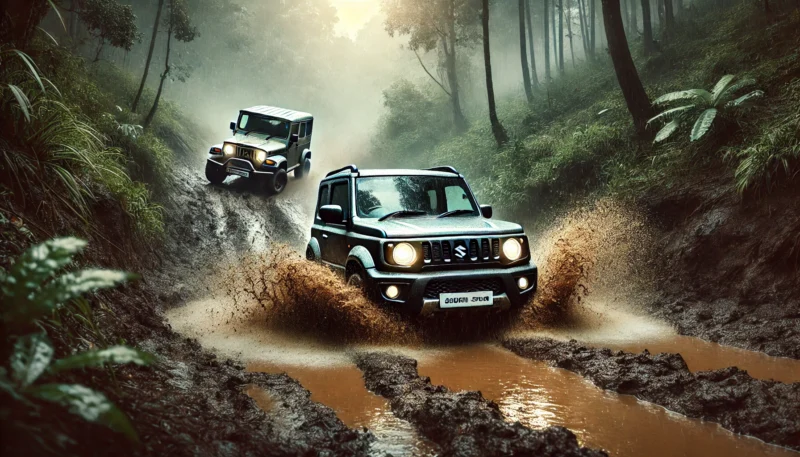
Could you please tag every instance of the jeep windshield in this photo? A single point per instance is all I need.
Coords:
(413, 196)
(264, 125)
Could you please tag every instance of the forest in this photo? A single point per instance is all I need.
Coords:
(650, 149)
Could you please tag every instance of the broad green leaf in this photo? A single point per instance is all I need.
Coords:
(745, 99)
(703, 123)
(687, 95)
(31, 357)
(73, 285)
(22, 100)
(731, 90)
(670, 113)
(89, 404)
(721, 85)
(667, 130)
(115, 355)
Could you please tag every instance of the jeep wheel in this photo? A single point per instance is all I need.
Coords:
(215, 173)
(303, 170)
(277, 182)
(356, 280)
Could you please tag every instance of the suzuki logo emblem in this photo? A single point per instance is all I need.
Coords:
(461, 252)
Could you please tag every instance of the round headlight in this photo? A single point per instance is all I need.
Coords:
(512, 249)
(404, 254)
(228, 149)
(260, 155)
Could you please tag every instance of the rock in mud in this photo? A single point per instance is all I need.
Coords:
(768, 410)
(460, 423)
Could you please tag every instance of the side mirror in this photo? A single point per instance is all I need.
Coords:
(233, 126)
(486, 211)
(294, 138)
(331, 214)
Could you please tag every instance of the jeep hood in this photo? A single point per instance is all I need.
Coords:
(421, 227)
(270, 146)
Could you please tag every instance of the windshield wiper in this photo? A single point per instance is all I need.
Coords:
(455, 212)
(403, 212)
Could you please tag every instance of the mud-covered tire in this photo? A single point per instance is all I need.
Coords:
(277, 182)
(303, 170)
(215, 174)
(310, 253)
(357, 278)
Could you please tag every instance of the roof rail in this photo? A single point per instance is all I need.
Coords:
(446, 168)
(350, 167)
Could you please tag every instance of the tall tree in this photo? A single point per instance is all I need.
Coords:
(584, 28)
(432, 23)
(635, 97)
(625, 17)
(534, 75)
(546, 42)
(561, 36)
(497, 128)
(633, 22)
(669, 18)
(178, 25)
(109, 21)
(647, 28)
(153, 38)
(555, 33)
(523, 50)
(593, 23)
(568, 13)
(19, 19)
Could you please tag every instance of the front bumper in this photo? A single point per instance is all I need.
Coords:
(419, 290)
(234, 164)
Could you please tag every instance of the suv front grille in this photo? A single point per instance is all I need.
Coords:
(441, 286)
(459, 251)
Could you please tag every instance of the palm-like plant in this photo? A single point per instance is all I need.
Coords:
(702, 106)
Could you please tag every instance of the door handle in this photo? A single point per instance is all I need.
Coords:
(325, 235)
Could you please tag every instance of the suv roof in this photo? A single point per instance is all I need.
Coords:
(352, 170)
(280, 113)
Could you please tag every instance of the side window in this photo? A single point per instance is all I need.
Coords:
(308, 129)
(303, 130)
(295, 128)
(323, 198)
(433, 200)
(340, 196)
(456, 198)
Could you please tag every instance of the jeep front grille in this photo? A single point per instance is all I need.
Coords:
(244, 152)
(442, 286)
(461, 250)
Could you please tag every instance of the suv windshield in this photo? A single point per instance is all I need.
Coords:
(268, 126)
(417, 195)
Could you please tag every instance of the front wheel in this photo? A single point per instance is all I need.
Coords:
(277, 182)
(215, 173)
(303, 170)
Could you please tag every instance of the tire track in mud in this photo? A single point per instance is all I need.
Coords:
(461, 423)
(767, 410)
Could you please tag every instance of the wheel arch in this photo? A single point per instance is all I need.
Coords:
(305, 155)
(359, 256)
(313, 249)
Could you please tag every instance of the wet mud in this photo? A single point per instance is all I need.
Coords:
(460, 423)
(730, 397)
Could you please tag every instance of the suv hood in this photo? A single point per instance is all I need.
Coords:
(421, 227)
(271, 145)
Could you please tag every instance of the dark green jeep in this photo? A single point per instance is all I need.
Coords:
(418, 239)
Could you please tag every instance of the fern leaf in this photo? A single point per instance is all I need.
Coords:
(721, 85)
(694, 95)
(89, 404)
(114, 355)
(671, 113)
(745, 99)
(703, 124)
(667, 130)
(73, 285)
(31, 357)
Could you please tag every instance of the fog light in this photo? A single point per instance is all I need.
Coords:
(523, 283)
(392, 292)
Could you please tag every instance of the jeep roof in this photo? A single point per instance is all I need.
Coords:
(352, 170)
(280, 113)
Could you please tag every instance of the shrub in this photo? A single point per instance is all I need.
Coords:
(775, 152)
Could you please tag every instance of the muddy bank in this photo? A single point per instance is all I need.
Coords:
(764, 409)
(730, 266)
(460, 423)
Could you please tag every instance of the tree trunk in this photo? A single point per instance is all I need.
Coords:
(523, 51)
(584, 30)
(452, 79)
(568, 13)
(669, 18)
(497, 129)
(152, 113)
(555, 34)
(625, 18)
(634, 22)
(647, 28)
(679, 8)
(593, 22)
(660, 14)
(635, 97)
(561, 36)
(149, 56)
(534, 75)
(546, 42)
(18, 20)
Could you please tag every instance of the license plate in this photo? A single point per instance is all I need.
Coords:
(466, 299)
(238, 172)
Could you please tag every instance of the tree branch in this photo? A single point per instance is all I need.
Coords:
(429, 74)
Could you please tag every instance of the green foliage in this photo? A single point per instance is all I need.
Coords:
(109, 21)
(31, 290)
(708, 104)
(776, 151)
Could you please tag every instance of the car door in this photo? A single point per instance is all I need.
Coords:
(334, 236)
(293, 153)
(318, 227)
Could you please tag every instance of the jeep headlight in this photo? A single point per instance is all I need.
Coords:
(228, 149)
(404, 254)
(261, 156)
(512, 249)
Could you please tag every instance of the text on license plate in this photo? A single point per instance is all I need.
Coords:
(236, 171)
(466, 299)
